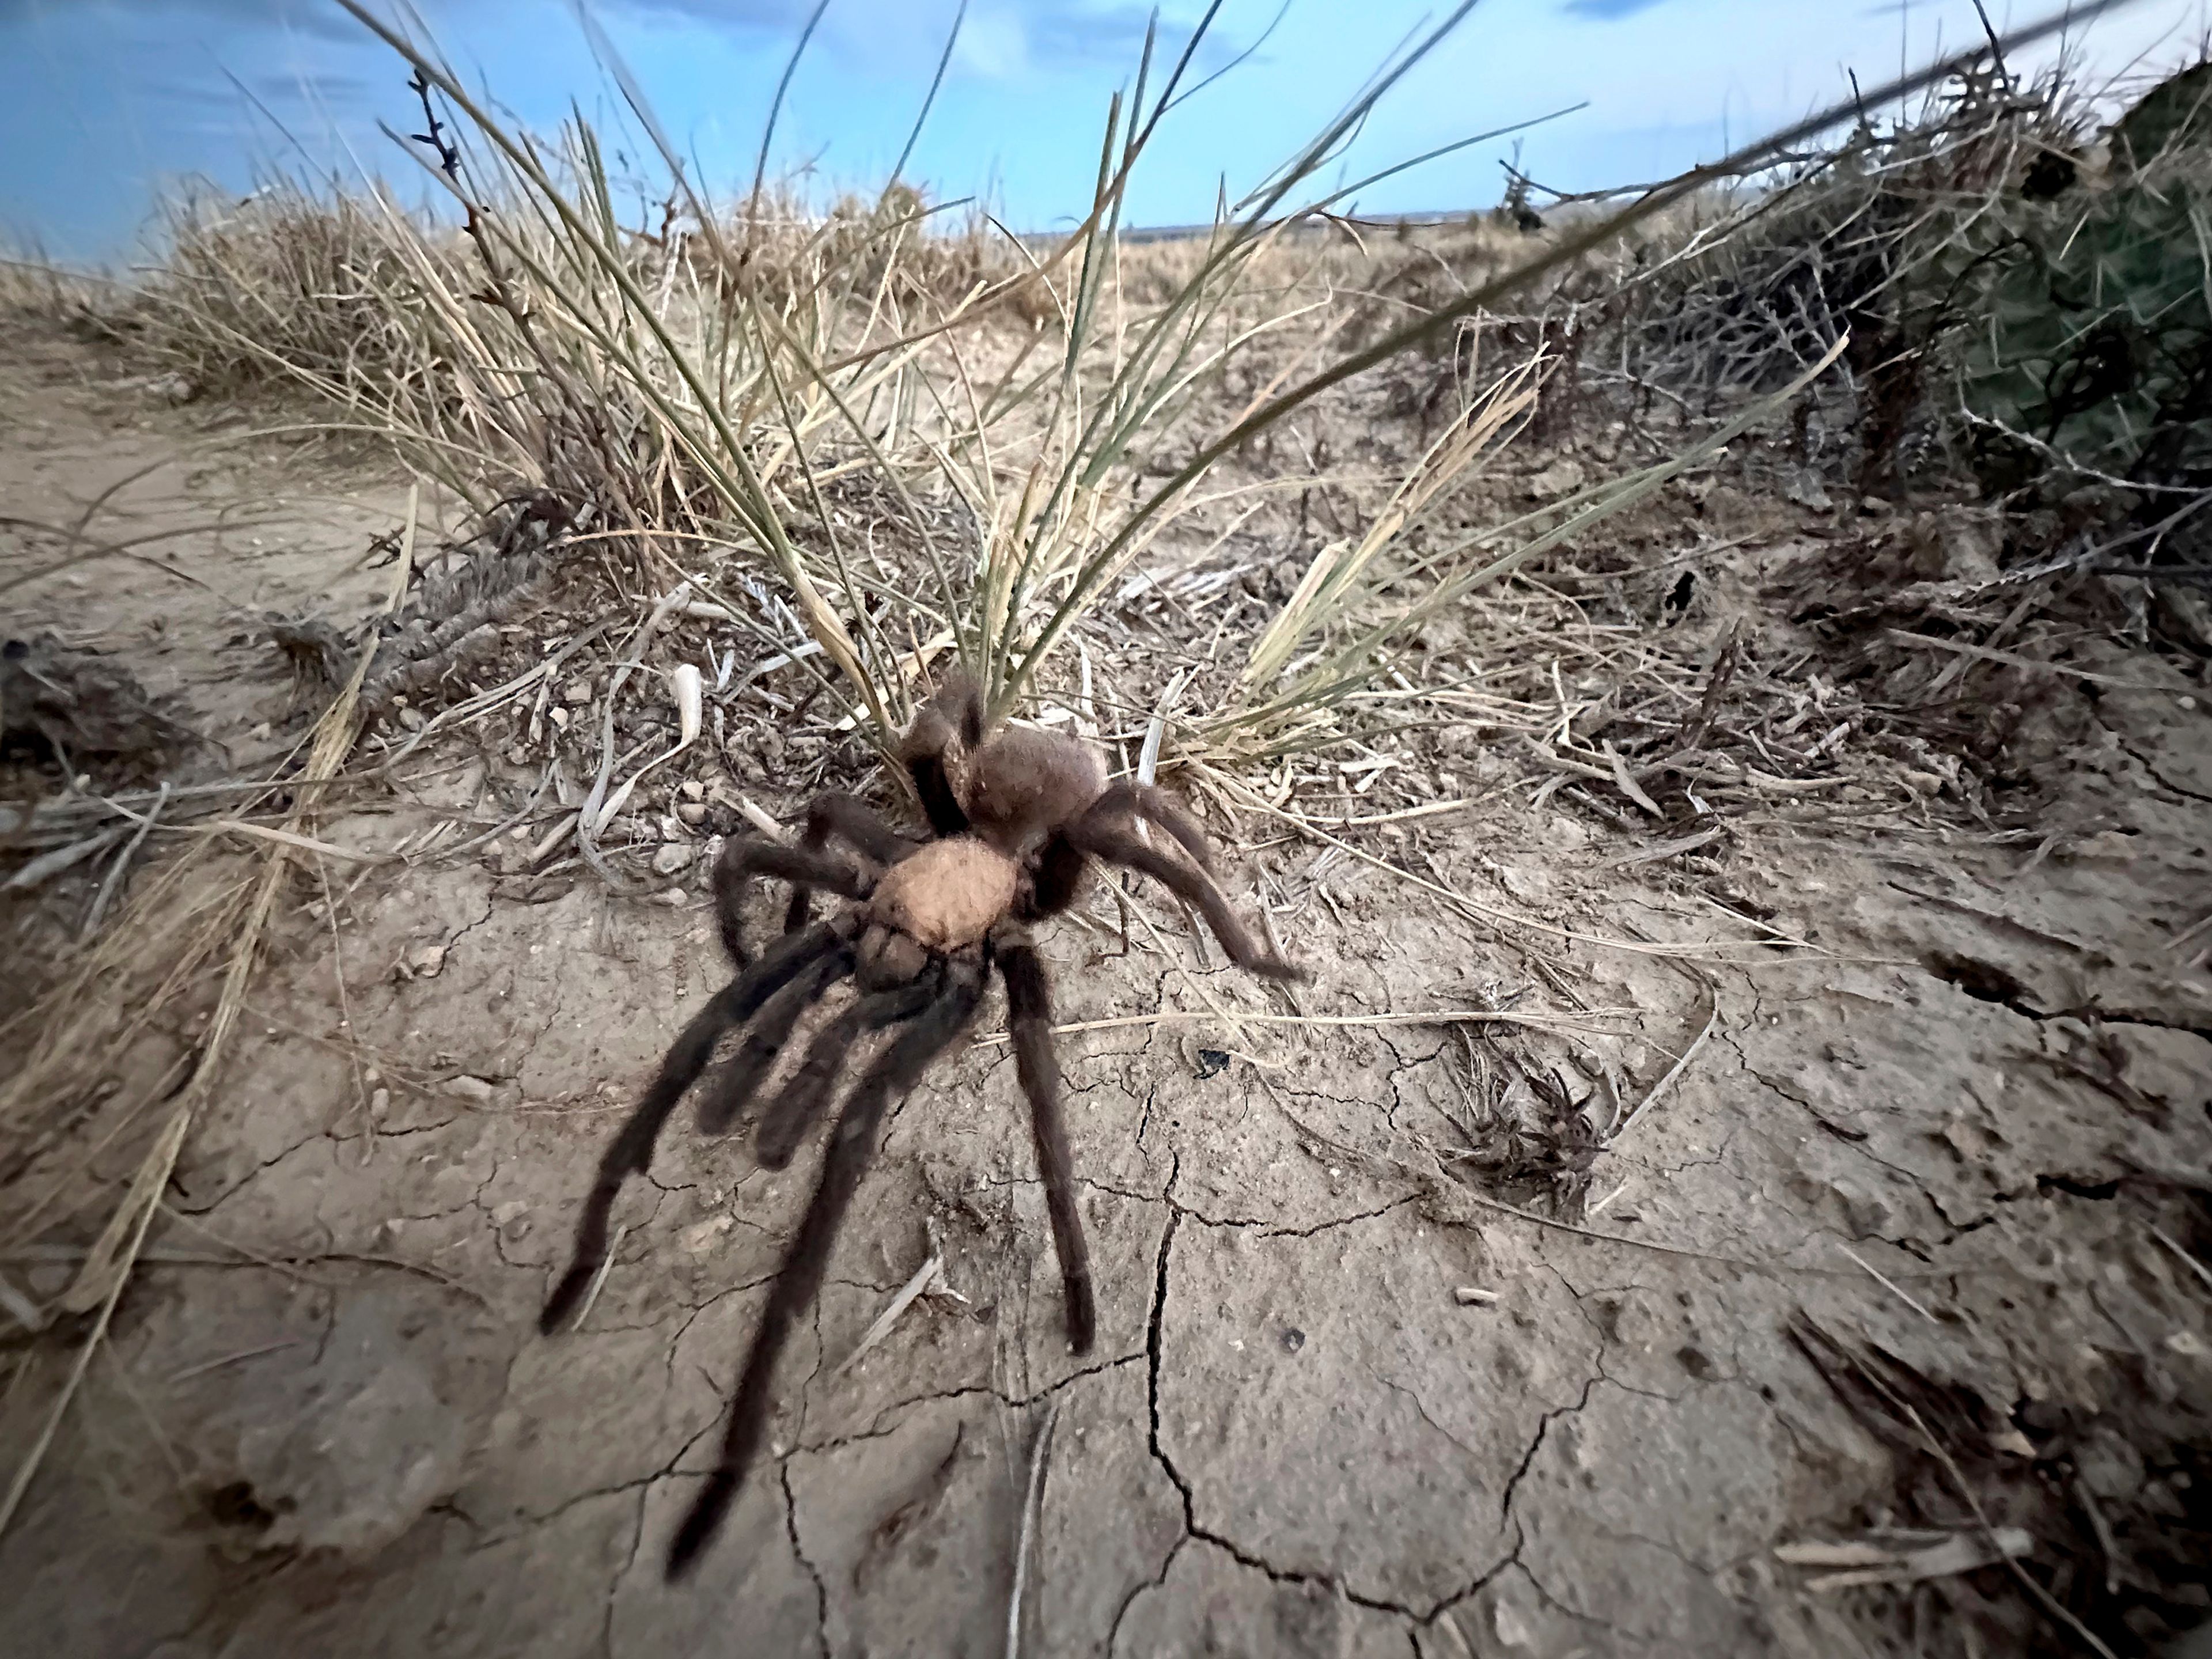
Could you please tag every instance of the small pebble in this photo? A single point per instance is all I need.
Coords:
(1468, 1296)
(1293, 1339)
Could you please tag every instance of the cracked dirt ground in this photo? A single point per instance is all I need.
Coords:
(323, 1423)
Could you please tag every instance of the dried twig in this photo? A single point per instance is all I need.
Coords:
(1889, 1284)
(2187, 1259)
(928, 1277)
(598, 1279)
(1432, 1016)
(1660, 1088)
(114, 878)
(1032, 1502)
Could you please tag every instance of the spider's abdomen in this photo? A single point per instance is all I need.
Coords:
(1024, 782)
(947, 895)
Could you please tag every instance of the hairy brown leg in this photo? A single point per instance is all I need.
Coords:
(731, 1087)
(1058, 879)
(858, 824)
(631, 1151)
(1029, 1017)
(952, 717)
(753, 856)
(1128, 798)
(1117, 843)
(894, 1072)
(801, 1100)
(933, 784)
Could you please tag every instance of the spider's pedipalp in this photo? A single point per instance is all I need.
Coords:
(747, 856)
(784, 1124)
(1117, 843)
(895, 1071)
(729, 1091)
(631, 1149)
(1029, 1020)
(889, 958)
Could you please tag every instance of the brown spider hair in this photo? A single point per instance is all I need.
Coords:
(1017, 817)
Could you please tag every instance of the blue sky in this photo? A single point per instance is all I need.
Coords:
(102, 102)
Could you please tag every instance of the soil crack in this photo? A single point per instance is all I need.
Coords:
(798, 1552)
(1243, 1556)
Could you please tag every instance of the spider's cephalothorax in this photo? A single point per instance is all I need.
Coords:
(1017, 816)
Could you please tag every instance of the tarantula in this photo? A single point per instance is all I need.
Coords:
(1017, 817)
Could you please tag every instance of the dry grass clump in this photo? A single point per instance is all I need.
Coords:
(940, 256)
(290, 286)
(1927, 630)
(1855, 240)
(838, 401)
(37, 286)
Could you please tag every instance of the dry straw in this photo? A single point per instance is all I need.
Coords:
(106, 1270)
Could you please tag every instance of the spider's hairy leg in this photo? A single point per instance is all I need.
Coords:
(1117, 843)
(952, 719)
(933, 783)
(1155, 804)
(731, 1088)
(1058, 879)
(631, 1149)
(1028, 1018)
(857, 823)
(748, 856)
(801, 1101)
(958, 703)
(895, 1071)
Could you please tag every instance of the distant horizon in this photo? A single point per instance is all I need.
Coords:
(108, 105)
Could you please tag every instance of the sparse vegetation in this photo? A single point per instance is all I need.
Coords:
(1548, 570)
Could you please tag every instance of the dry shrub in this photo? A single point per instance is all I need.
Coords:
(2026, 304)
(31, 283)
(290, 285)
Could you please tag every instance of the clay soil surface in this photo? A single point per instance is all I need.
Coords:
(1934, 1178)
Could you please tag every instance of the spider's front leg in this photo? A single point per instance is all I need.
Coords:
(805, 868)
(1028, 1019)
(893, 1072)
(852, 820)
(631, 1152)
